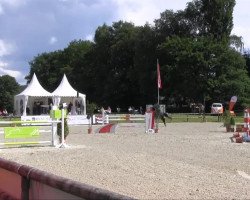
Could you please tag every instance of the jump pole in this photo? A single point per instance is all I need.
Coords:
(63, 144)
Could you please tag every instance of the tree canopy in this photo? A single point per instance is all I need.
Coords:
(199, 59)
(8, 88)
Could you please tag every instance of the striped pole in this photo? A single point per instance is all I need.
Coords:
(247, 121)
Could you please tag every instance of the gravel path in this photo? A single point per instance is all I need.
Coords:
(183, 160)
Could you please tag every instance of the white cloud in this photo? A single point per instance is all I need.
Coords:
(53, 40)
(13, 3)
(241, 21)
(139, 12)
(90, 37)
(1, 10)
(6, 48)
(3, 64)
(13, 73)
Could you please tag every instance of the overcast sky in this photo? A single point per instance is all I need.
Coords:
(31, 27)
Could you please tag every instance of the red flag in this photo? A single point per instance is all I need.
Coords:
(158, 76)
(232, 102)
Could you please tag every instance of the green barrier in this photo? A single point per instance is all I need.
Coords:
(20, 132)
(57, 114)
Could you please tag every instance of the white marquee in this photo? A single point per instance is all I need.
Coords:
(35, 93)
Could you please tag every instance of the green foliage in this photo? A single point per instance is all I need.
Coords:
(8, 89)
(232, 121)
(119, 68)
(228, 118)
(66, 129)
(219, 70)
(91, 107)
(247, 59)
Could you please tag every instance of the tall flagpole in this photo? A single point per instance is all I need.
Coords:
(158, 91)
(158, 81)
(158, 88)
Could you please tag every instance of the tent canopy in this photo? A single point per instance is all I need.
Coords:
(66, 90)
(34, 89)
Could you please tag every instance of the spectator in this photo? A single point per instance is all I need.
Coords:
(118, 109)
(69, 107)
(141, 110)
(130, 110)
(5, 113)
(108, 111)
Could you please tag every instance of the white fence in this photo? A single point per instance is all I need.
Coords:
(12, 133)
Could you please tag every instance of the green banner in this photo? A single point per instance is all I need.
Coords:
(21, 132)
(57, 114)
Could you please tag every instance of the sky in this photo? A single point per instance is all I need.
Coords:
(31, 27)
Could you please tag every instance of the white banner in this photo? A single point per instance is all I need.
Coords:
(77, 119)
(72, 119)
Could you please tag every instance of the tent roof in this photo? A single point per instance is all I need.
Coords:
(65, 89)
(35, 89)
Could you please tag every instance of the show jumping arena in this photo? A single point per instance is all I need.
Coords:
(182, 161)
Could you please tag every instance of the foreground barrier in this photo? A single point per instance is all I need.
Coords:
(24, 182)
(15, 134)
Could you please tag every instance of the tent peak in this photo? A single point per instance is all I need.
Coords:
(34, 88)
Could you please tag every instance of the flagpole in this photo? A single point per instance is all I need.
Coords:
(157, 83)
(158, 91)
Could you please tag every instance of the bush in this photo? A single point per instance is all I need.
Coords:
(232, 121)
(66, 129)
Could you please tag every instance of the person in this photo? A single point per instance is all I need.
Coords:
(141, 110)
(130, 109)
(108, 111)
(245, 137)
(28, 110)
(133, 110)
(118, 109)
(5, 113)
(78, 107)
(69, 107)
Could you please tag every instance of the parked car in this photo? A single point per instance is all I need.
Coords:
(217, 108)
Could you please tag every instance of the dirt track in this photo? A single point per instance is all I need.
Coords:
(183, 160)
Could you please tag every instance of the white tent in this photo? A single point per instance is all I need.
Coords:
(34, 89)
(67, 94)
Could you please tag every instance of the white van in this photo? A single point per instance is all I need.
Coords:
(217, 108)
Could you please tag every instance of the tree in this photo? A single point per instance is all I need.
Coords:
(145, 65)
(114, 64)
(194, 47)
(212, 18)
(247, 58)
(172, 23)
(8, 89)
(217, 18)
(79, 58)
(48, 68)
(203, 67)
(236, 43)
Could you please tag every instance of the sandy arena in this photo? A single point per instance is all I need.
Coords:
(182, 161)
